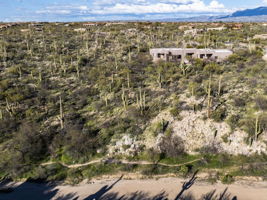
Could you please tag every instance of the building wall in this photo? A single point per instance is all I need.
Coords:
(176, 54)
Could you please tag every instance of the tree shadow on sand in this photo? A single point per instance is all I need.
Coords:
(37, 190)
(104, 194)
(134, 196)
(102, 191)
(163, 196)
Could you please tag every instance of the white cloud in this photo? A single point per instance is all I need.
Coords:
(179, 1)
(58, 12)
(83, 7)
(216, 5)
(165, 6)
(63, 9)
(134, 9)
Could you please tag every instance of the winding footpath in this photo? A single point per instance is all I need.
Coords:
(120, 162)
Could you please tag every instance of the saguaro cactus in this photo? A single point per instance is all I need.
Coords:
(61, 114)
(130, 56)
(220, 85)
(209, 100)
(78, 70)
(257, 128)
(40, 77)
(159, 80)
(128, 79)
(9, 108)
(1, 115)
(141, 100)
(124, 99)
(106, 99)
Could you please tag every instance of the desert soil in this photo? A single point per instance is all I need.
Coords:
(244, 190)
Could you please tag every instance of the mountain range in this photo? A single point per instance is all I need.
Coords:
(250, 12)
(249, 15)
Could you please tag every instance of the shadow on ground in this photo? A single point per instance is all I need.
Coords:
(46, 191)
(163, 196)
(35, 190)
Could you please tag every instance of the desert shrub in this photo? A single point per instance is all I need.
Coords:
(175, 112)
(233, 121)
(8, 125)
(29, 144)
(219, 114)
(98, 105)
(199, 64)
(240, 101)
(99, 169)
(176, 108)
(39, 173)
(213, 68)
(74, 176)
(249, 124)
(4, 84)
(225, 138)
(83, 61)
(236, 58)
(79, 144)
(261, 103)
(209, 149)
(56, 172)
(228, 179)
(200, 92)
(171, 146)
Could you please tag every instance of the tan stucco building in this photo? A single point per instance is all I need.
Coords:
(178, 54)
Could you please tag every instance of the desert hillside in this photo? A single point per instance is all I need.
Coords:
(72, 93)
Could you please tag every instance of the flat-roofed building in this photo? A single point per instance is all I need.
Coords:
(261, 36)
(193, 32)
(35, 25)
(81, 30)
(216, 28)
(179, 54)
(90, 24)
(25, 30)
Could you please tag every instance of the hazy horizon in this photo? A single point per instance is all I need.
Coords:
(117, 10)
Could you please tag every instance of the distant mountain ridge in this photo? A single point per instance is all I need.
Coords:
(250, 12)
(249, 15)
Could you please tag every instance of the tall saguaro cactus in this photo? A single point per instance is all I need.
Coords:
(1, 115)
(159, 80)
(9, 108)
(61, 114)
(124, 99)
(209, 101)
(257, 128)
(220, 85)
(141, 100)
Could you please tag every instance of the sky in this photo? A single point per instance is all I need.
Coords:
(100, 10)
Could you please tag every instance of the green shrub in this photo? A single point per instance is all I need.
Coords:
(213, 68)
(74, 176)
(219, 115)
(233, 121)
(261, 103)
(175, 112)
(240, 101)
(228, 179)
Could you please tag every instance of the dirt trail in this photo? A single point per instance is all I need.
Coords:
(122, 162)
